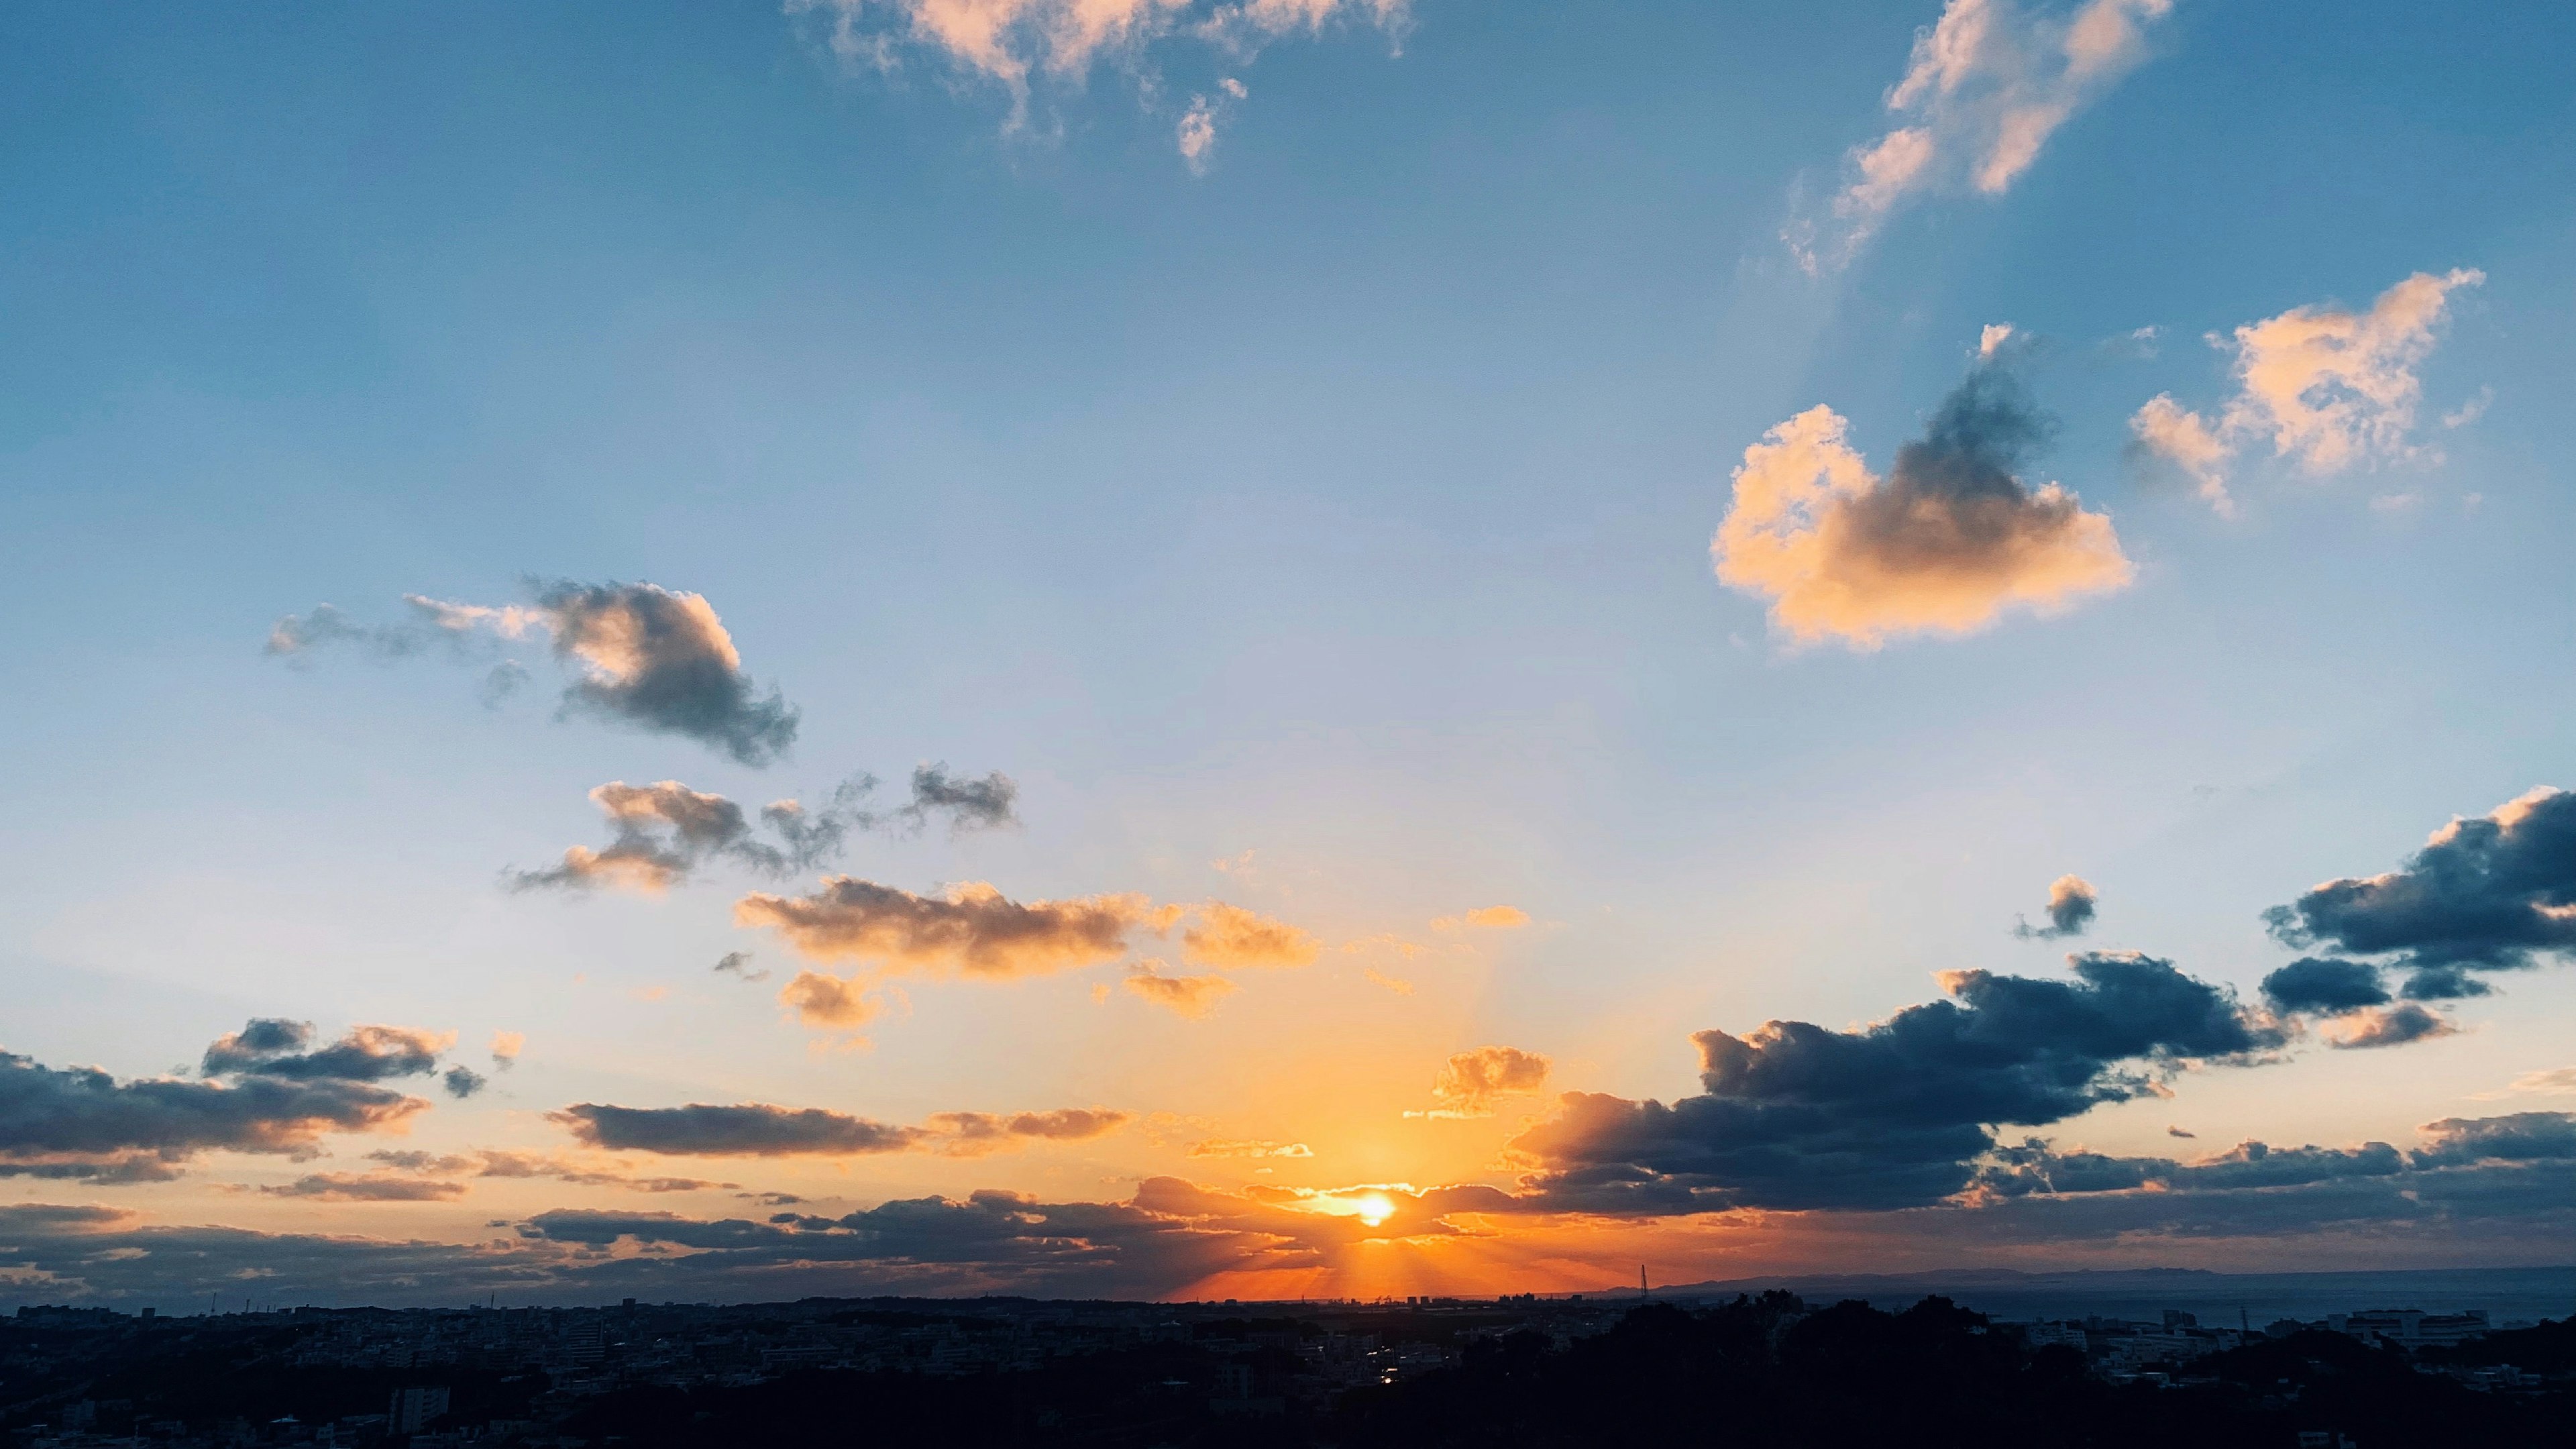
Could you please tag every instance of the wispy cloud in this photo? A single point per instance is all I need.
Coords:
(1985, 89)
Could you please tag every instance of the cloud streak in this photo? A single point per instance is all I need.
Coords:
(759, 1129)
(1984, 90)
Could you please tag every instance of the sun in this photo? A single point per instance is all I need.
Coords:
(1374, 1208)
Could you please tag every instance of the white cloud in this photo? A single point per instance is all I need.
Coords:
(1986, 87)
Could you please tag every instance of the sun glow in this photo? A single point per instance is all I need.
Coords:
(1373, 1208)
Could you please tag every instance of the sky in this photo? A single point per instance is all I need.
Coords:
(1273, 648)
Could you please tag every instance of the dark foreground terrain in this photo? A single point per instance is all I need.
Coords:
(1754, 1371)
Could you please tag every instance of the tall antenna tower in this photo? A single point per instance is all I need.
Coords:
(1641, 1282)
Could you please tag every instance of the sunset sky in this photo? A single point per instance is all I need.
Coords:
(1419, 646)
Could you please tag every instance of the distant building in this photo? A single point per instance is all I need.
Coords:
(414, 1408)
(2411, 1327)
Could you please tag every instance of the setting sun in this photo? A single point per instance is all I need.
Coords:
(1374, 1208)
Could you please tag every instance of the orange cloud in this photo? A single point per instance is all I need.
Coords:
(1248, 1147)
(1494, 918)
(1187, 995)
(821, 1000)
(1232, 937)
(1945, 545)
(1470, 1082)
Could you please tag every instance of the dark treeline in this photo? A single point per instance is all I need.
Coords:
(1757, 1373)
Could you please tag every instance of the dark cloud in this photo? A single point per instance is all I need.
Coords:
(271, 1047)
(2493, 893)
(972, 928)
(83, 1123)
(2518, 1137)
(371, 1187)
(969, 803)
(738, 963)
(650, 658)
(752, 1130)
(666, 830)
(662, 661)
(2325, 985)
(463, 1081)
(1799, 1116)
(761, 1130)
(2071, 903)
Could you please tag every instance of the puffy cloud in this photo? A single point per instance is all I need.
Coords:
(2497, 892)
(2325, 984)
(506, 1047)
(1188, 995)
(758, 1129)
(1798, 1116)
(1470, 1083)
(1021, 45)
(1946, 543)
(971, 929)
(829, 1001)
(1985, 88)
(1231, 937)
(272, 1047)
(81, 1122)
(463, 1081)
(1491, 918)
(2388, 1026)
(2329, 389)
(2071, 903)
(648, 657)
(1248, 1147)
(2518, 1137)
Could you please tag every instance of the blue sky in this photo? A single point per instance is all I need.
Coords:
(1348, 504)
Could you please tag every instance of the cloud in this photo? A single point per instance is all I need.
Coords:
(1471, 1082)
(2518, 1137)
(1191, 996)
(969, 804)
(2329, 389)
(463, 1081)
(81, 1122)
(2388, 1026)
(1492, 918)
(506, 1047)
(1231, 937)
(372, 1187)
(2071, 902)
(666, 830)
(971, 929)
(1248, 1147)
(821, 1000)
(1945, 544)
(2556, 1081)
(2493, 893)
(271, 1047)
(1896, 1114)
(648, 658)
(972, 1134)
(1982, 93)
(2326, 985)
(761, 1130)
(1025, 46)
(2168, 430)
(738, 964)
(1380, 979)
